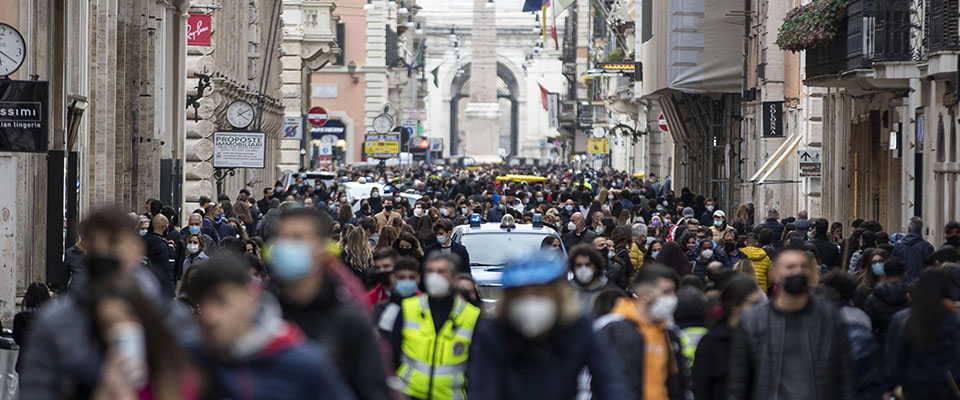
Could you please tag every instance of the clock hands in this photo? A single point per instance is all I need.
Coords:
(5, 55)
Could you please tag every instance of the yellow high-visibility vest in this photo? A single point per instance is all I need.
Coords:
(433, 365)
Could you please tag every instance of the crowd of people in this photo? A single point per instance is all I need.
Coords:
(640, 294)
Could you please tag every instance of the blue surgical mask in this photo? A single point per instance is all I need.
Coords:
(143, 232)
(463, 211)
(539, 199)
(718, 223)
(810, 234)
(877, 269)
(290, 260)
(653, 254)
(406, 287)
(278, 189)
(442, 239)
(568, 207)
(611, 254)
(194, 229)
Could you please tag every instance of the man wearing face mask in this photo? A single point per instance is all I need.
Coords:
(587, 267)
(304, 273)
(431, 335)
(386, 216)
(406, 283)
(515, 356)
(794, 346)
(651, 357)
(577, 232)
(384, 261)
(53, 364)
(443, 229)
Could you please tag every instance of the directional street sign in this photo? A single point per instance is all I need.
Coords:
(810, 163)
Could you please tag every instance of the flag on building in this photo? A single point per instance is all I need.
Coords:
(534, 5)
(564, 4)
(436, 74)
(544, 94)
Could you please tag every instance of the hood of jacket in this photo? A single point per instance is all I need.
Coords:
(912, 239)
(892, 293)
(754, 253)
(627, 308)
(270, 332)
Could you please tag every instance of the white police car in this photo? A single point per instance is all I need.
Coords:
(491, 245)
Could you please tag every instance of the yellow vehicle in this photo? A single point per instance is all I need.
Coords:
(522, 178)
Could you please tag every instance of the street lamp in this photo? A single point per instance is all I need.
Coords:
(392, 4)
(368, 6)
(419, 30)
(490, 4)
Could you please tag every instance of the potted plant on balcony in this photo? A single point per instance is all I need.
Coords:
(811, 25)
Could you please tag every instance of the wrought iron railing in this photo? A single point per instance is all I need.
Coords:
(872, 31)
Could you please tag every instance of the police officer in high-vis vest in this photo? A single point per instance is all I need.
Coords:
(431, 335)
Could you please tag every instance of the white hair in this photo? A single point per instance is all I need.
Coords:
(639, 229)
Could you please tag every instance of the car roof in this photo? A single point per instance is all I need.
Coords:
(494, 227)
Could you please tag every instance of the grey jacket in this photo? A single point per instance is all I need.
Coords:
(756, 365)
(63, 360)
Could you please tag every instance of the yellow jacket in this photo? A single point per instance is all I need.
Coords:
(636, 256)
(761, 264)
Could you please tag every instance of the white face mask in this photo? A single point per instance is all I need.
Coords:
(707, 254)
(436, 285)
(571, 227)
(532, 315)
(663, 307)
(710, 208)
(418, 212)
(193, 248)
(583, 275)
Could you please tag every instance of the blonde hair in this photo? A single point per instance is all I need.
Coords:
(359, 255)
(745, 267)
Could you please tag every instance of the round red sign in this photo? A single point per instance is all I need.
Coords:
(317, 116)
(662, 121)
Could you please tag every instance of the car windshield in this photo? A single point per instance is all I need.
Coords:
(497, 248)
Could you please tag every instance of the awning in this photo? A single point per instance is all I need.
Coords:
(776, 159)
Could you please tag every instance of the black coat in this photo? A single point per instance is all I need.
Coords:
(158, 258)
(711, 364)
(506, 366)
(887, 299)
(455, 248)
(828, 251)
(348, 336)
(756, 356)
(774, 226)
(571, 239)
(74, 266)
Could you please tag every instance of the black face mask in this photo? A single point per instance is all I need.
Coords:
(388, 207)
(384, 278)
(404, 252)
(730, 246)
(796, 284)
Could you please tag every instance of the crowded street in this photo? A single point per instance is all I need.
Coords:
(479, 199)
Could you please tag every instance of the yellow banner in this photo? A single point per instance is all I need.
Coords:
(598, 146)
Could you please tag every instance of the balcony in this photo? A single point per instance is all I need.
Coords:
(873, 31)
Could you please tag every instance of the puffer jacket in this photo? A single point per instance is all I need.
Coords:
(887, 299)
(636, 256)
(761, 264)
(757, 351)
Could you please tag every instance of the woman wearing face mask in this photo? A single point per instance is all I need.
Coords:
(358, 256)
(376, 203)
(514, 356)
(408, 246)
(195, 254)
(870, 275)
(142, 358)
(653, 250)
(587, 266)
(659, 228)
(720, 226)
(707, 255)
(712, 359)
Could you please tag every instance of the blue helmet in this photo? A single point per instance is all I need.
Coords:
(387, 189)
(534, 269)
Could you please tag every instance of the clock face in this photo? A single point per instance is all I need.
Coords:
(599, 132)
(12, 49)
(383, 123)
(240, 114)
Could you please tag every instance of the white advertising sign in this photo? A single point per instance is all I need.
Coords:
(239, 149)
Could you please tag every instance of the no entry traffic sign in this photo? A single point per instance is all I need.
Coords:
(317, 116)
(662, 122)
